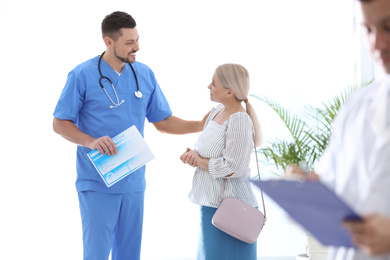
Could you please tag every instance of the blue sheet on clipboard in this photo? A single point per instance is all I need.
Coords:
(314, 206)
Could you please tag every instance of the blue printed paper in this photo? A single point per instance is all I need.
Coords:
(133, 153)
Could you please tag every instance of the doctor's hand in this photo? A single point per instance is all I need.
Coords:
(190, 157)
(104, 145)
(372, 235)
(293, 171)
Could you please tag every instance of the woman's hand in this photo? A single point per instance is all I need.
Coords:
(190, 157)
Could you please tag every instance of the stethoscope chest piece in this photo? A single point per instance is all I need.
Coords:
(138, 94)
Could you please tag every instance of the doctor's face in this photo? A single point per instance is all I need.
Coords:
(126, 46)
(376, 21)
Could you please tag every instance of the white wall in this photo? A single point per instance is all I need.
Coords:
(298, 52)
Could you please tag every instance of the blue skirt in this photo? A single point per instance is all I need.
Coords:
(214, 244)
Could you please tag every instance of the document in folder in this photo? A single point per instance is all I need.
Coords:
(133, 153)
(314, 206)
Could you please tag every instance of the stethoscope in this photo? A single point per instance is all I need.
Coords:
(137, 93)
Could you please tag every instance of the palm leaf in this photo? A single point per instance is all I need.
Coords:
(295, 125)
(310, 132)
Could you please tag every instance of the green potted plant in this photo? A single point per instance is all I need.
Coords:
(310, 133)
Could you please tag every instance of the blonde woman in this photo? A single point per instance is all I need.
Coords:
(223, 151)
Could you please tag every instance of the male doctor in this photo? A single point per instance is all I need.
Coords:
(89, 116)
(356, 162)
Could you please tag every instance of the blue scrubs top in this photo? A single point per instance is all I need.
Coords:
(83, 102)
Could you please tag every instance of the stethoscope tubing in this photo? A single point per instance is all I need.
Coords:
(138, 93)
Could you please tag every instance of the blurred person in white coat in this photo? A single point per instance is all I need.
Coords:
(356, 162)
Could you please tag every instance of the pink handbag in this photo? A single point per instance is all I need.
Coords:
(238, 218)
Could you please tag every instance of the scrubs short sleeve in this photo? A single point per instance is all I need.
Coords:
(71, 99)
(157, 108)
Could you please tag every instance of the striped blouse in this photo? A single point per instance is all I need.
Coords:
(229, 147)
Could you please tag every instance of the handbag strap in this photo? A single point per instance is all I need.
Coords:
(258, 173)
(261, 191)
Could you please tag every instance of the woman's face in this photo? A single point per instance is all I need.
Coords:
(218, 92)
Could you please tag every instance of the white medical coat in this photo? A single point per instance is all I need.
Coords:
(356, 162)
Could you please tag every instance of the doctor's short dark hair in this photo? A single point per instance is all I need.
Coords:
(115, 21)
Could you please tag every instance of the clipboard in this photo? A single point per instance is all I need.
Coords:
(314, 206)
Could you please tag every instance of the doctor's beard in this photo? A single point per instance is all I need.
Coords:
(126, 60)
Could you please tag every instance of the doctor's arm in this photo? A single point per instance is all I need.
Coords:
(178, 126)
(68, 130)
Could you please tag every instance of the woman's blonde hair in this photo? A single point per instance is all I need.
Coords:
(236, 77)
